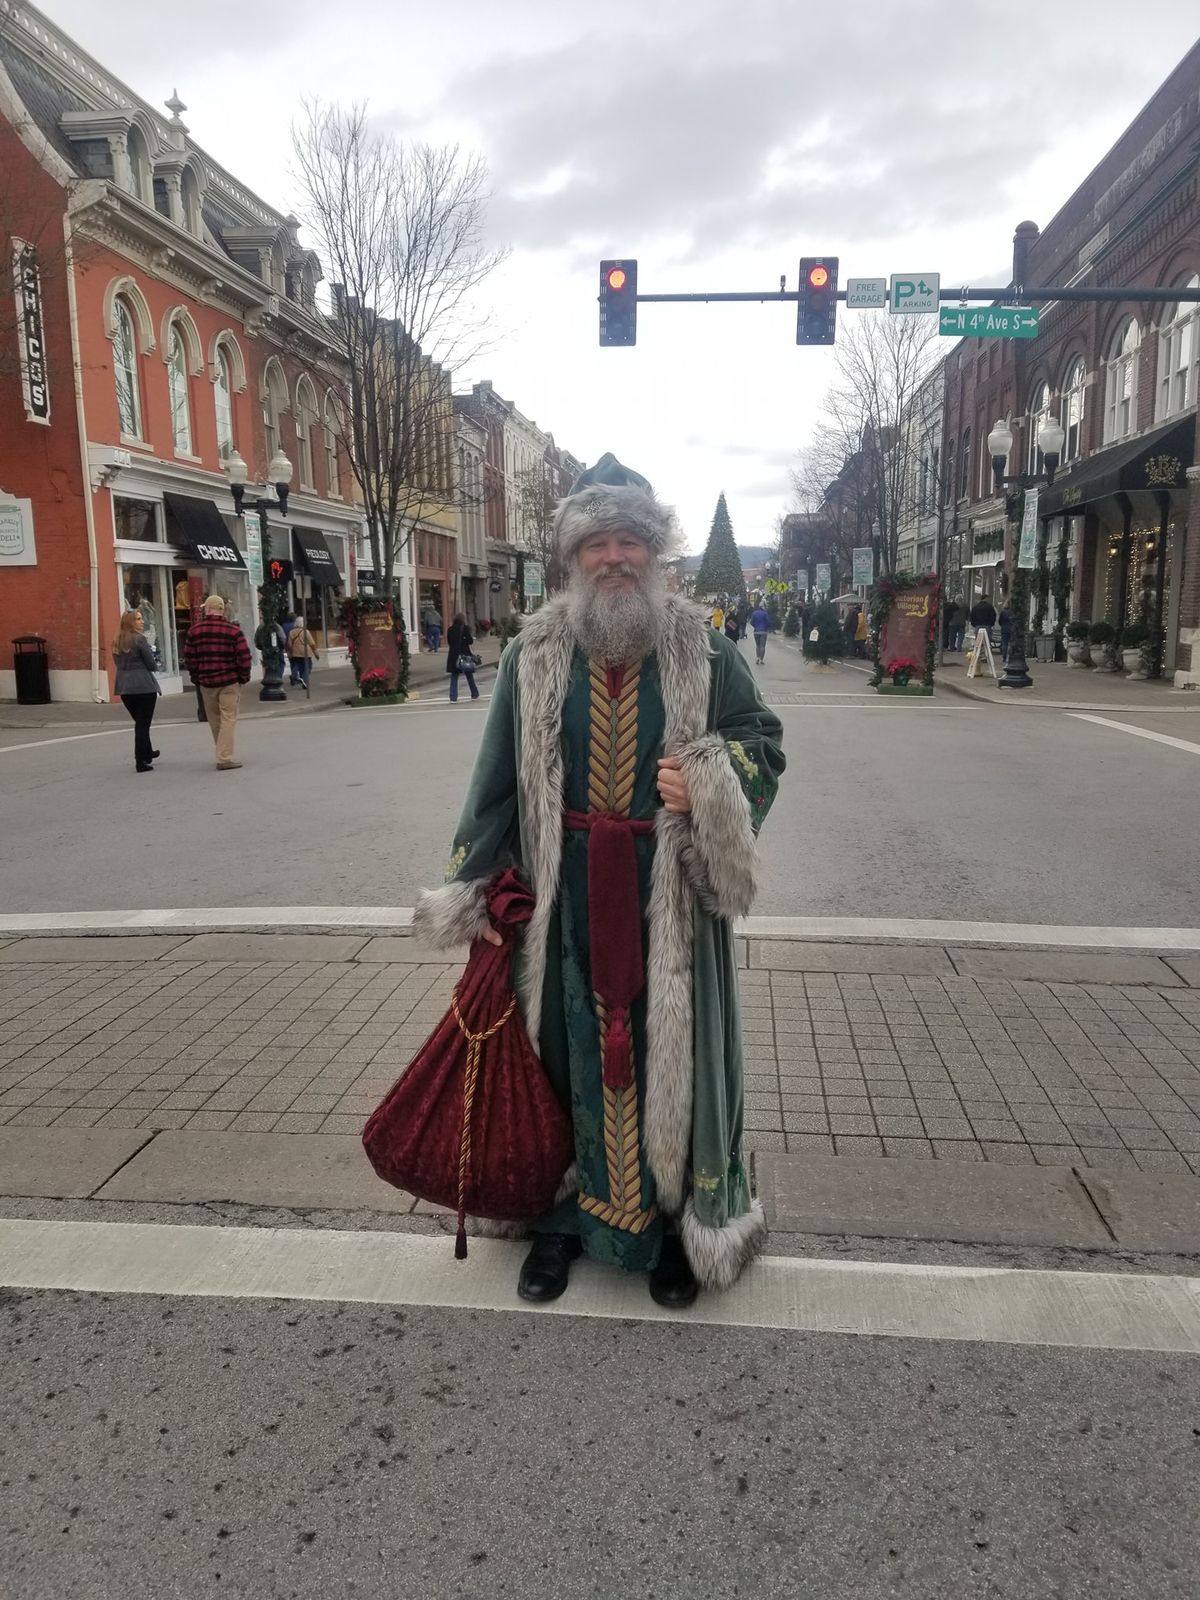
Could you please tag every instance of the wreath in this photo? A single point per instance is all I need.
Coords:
(883, 598)
(376, 683)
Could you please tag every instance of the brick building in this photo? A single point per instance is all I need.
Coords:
(1123, 380)
(177, 327)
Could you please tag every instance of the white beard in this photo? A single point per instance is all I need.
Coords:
(620, 626)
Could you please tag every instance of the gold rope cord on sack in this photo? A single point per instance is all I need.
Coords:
(475, 1044)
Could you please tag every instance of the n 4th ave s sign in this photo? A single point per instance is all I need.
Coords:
(995, 322)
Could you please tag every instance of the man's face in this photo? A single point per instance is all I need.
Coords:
(613, 562)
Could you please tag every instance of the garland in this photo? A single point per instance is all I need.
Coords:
(375, 683)
(883, 598)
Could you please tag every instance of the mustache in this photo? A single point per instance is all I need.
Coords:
(621, 569)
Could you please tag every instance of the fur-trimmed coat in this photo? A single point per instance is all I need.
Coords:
(728, 745)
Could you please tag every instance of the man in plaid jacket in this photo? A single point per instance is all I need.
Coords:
(218, 661)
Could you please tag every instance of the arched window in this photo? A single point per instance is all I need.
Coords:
(125, 371)
(140, 178)
(1179, 355)
(1072, 411)
(177, 387)
(1039, 405)
(223, 397)
(190, 195)
(333, 487)
(1120, 390)
(274, 398)
(306, 421)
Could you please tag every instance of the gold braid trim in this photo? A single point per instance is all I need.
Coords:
(475, 1044)
(629, 1220)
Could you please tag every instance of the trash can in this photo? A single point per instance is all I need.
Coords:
(32, 667)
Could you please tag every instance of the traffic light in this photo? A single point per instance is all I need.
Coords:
(618, 302)
(816, 310)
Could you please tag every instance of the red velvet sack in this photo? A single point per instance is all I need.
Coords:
(473, 1124)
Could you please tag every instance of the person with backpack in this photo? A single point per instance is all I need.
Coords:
(302, 652)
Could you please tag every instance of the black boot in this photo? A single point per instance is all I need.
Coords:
(547, 1266)
(672, 1282)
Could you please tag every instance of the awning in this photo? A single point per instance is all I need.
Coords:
(316, 558)
(992, 559)
(199, 528)
(1158, 460)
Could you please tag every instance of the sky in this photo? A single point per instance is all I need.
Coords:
(715, 141)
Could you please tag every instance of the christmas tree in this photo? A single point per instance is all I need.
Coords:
(830, 640)
(721, 569)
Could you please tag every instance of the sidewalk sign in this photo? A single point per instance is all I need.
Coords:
(981, 651)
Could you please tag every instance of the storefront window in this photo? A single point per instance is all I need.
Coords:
(145, 589)
(136, 520)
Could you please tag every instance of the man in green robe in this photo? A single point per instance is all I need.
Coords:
(626, 766)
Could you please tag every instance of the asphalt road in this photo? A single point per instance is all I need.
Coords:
(155, 1448)
(942, 808)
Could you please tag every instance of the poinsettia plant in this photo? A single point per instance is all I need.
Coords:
(902, 669)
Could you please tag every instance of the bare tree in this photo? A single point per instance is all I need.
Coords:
(536, 504)
(401, 230)
(864, 459)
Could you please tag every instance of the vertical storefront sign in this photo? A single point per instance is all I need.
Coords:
(27, 285)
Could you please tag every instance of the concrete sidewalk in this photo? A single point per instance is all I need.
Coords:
(330, 688)
(1058, 686)
(919, 1090)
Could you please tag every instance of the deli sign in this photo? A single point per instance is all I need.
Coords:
(27, 282)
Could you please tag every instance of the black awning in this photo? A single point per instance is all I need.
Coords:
(316, 558)
(199, 528)
(1157, 460)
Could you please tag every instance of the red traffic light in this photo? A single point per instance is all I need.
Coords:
(616, 278)
(818, 276)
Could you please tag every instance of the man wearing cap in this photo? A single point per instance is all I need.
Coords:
(218, 661)
(625, 768)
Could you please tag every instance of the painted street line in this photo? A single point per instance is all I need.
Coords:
(848, 930)
(68, 738)
(1079, 1310)
(1139, 733)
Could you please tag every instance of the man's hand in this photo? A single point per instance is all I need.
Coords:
(492, 936)
(673, 786)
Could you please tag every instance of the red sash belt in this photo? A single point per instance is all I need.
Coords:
(614, 931)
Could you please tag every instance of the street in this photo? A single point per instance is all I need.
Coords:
(942, 809)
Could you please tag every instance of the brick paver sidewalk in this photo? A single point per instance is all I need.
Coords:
(1064, 1074)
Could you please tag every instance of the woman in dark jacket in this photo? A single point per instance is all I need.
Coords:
(136, 684)
(460, 649)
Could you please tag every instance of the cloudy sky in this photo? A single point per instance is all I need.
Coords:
(714, 140)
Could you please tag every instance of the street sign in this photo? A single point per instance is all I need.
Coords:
(824, 577)
(914, 291)
(1027, 555)
(866, 294)
(864, 566)
(254, 561)
(989, 322)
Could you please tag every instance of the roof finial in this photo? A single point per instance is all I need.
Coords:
(175, 105)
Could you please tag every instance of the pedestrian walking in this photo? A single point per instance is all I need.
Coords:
(218, 659)
(743, 617)
(432, 619)
(958, 624)
(302, 652)
(1005, 630)
(717, 617)
(861, 634)
(760, 626)
(574, 786)
(732, 630)
(850, 628)
(136, 684)
(460, 656)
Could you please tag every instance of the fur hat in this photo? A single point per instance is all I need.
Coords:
(610, 498)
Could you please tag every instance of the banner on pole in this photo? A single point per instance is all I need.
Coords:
(1027, 556)
(864, 566)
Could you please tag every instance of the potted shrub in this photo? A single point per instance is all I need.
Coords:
(1134, 640)
(1100, 637)
(483, 626)
(1077, 649)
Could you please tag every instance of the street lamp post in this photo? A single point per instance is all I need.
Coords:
(271, 592)
(1000, 441)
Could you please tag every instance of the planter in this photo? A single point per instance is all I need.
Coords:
(1079, 653)
(888, 687)
(1131, 660)
(378, 700)
(1045, 647)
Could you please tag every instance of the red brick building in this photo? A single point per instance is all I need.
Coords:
(179, 327)
(1122, 378)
